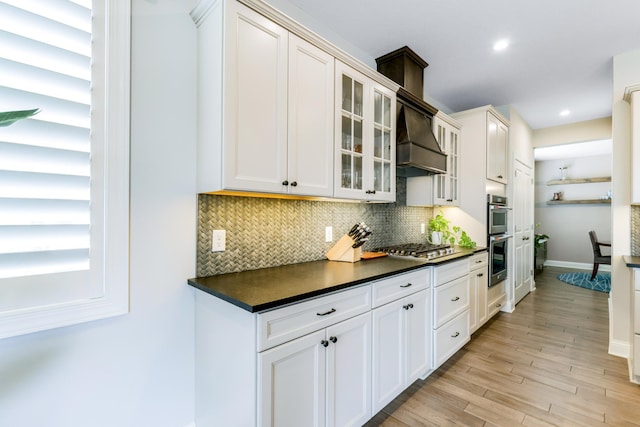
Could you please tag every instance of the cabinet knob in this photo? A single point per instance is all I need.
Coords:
(333, 339)
(285, 182)
(408, 306)
(456, 335)
(481, 274)
(333, 310)
(294, 184)
(500, 176)
(324, 343)
(455, 298)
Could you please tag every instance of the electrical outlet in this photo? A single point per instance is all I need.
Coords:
(422, 228)
(218, 240)
(328, 234)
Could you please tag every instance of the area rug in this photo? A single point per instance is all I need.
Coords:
(601, 283)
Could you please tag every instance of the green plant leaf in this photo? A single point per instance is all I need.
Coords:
(10, 117)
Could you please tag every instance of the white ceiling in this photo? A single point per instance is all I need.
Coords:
(560, 56)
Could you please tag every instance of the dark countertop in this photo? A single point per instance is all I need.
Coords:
(632, 261)
(268, 288)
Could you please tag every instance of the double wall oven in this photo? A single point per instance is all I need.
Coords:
(498, 238)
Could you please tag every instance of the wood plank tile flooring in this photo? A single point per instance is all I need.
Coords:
(545, 364)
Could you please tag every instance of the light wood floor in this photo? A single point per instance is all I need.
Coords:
(544, 364)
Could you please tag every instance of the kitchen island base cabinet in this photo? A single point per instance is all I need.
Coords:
(320, 379)
(401, 349)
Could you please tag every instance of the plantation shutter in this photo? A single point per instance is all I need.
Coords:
(45, 161)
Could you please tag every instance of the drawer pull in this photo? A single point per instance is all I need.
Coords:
(499, 305)
(408, 306)
(456, 335)
(333, 310)
(455, 299)
(333, 339)
(324, 343)
(481, 274)
(478, 261)
(406, 286)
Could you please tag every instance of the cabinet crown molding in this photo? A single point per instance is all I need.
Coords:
(628, 92)
(204, 8)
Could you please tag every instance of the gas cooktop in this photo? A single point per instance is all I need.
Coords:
(418, 250)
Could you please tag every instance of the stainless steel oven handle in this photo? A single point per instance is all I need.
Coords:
(499, 237)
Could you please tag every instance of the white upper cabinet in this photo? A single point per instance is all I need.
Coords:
(311, 106)
(497, 138)
(255, 102)
(365, 137)
(267, 108)
(440, 189)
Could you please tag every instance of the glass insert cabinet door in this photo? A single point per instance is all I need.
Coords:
(352, 152)
(382, 140)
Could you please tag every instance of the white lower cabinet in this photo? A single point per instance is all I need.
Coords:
(319, 379)
(478, 285)
(401, 350)
(334, 360)
(450, 310)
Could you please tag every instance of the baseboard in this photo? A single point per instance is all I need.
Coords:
(619, 348)
(575, 265)
(616, 347)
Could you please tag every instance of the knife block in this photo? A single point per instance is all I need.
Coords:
(343, 251)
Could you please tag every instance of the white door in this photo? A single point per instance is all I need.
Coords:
(523, 231)
(291, 383)
(418, 330)
(255, 114)
(311, 118)
(388, 354)
(349, 372)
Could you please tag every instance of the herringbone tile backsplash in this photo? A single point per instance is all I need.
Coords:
(271, 232)
(635, 230)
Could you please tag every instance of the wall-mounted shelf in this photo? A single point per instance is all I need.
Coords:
(579, 202)
(578, 180)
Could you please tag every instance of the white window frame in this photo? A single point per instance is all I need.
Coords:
(110, 133)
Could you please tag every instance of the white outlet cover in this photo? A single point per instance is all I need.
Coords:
(218, 240)
(328, 234)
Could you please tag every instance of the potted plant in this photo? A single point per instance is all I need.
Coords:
(10, 117)
(439, 227)
(464, 241)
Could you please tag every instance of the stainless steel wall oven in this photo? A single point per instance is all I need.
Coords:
(498, 238)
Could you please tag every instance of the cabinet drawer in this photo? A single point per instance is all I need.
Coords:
(479, 260)
(450, 338)
(284, 324)
(450, 300)
(396, 287)
(448, 272)
(494, 306)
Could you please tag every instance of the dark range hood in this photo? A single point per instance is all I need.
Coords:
(417, 150)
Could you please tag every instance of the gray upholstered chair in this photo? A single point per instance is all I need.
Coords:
(598, 258)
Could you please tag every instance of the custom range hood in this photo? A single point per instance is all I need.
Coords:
(417, 150)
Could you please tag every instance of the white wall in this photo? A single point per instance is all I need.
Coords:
(136, 369)
(568, 225)
(590, 130)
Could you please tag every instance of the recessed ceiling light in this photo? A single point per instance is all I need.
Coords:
(565, 112)
(501, 44)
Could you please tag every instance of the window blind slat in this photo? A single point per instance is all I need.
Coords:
(39, 28)
(25, 185)
(43, 212)
(52, 109)
(73, 14)
(39, 133)
(27, 51)
(37, 80)
(24, 158)
(23, 239)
